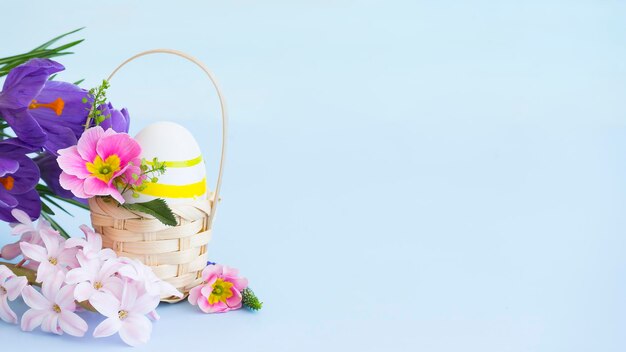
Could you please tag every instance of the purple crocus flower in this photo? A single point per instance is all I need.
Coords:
(118, 120)
(18, 177)
(42, 112)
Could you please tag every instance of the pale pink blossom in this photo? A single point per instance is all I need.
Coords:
(53, 257)
(220, 290)
(10, 288)
(92, 165)
(52, 309)
(27, 230)
(94, 276)
(126, 316)
(137, 271)
(91, 245)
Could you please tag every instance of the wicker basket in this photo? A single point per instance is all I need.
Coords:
(176, 254)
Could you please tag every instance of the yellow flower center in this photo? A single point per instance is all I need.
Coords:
(122, 314)
(104, 169)
(56, 308)
(221, 291)
(7, 182)
(97, 285)
(56, 106)
(53, 261)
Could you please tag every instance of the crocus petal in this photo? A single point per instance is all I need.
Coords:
(32, 319)
(25, 81)
(6, 313)
(108, 327)
(34, 252)
(14, 286)
(7, 200)
(136, 330)
(105, 304)
(25, 126)
(72, 323)
(5, 273)
(8, 166)
(87, 143)
(72, 163)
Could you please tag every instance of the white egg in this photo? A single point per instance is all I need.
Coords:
(185, 175)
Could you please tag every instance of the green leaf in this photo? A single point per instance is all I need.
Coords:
(250, 300)
(157, 208)
(53, 40)
(55, 225)
(45, 208)
(49, 200)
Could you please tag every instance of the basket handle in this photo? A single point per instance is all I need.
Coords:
(222, 108)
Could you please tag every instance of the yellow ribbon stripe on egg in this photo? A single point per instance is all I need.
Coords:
(184, 163)
(191, 190)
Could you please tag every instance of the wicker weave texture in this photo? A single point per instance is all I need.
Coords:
(176, 254)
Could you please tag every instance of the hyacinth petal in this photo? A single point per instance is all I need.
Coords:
(145, 304)
(73, 184)
(83, 291)
(50, 323)
(52, 284)
(51, 241)
(65, 298)
(75, 242)
(120, 144)
(77, 275)
(34, 252)
(154, 316)
(34, 299)
(32, 319)
(6, 313)
(21, 217)
(105, 304)
(108, 327)
(72, 162)
(136, 330)
(113, 285)
(5, 273)
(14, 287)
(72, 324)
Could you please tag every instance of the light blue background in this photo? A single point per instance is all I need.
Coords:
(402, 176)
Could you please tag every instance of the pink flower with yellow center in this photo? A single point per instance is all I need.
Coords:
(220, 290)
(91, 167)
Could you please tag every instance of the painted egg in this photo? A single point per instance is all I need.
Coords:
(185, 175)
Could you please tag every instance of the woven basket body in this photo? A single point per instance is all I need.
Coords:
(176, 254)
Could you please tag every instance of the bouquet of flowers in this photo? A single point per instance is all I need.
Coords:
(62, 144)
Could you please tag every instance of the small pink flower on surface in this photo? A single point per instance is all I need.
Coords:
(91, 245)
(27, 231)
(53, 257)
(52, 309)
(126, 316)
(11, 287)
(94, 276)
(220, 290)
(141, 273)
(92, 165)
